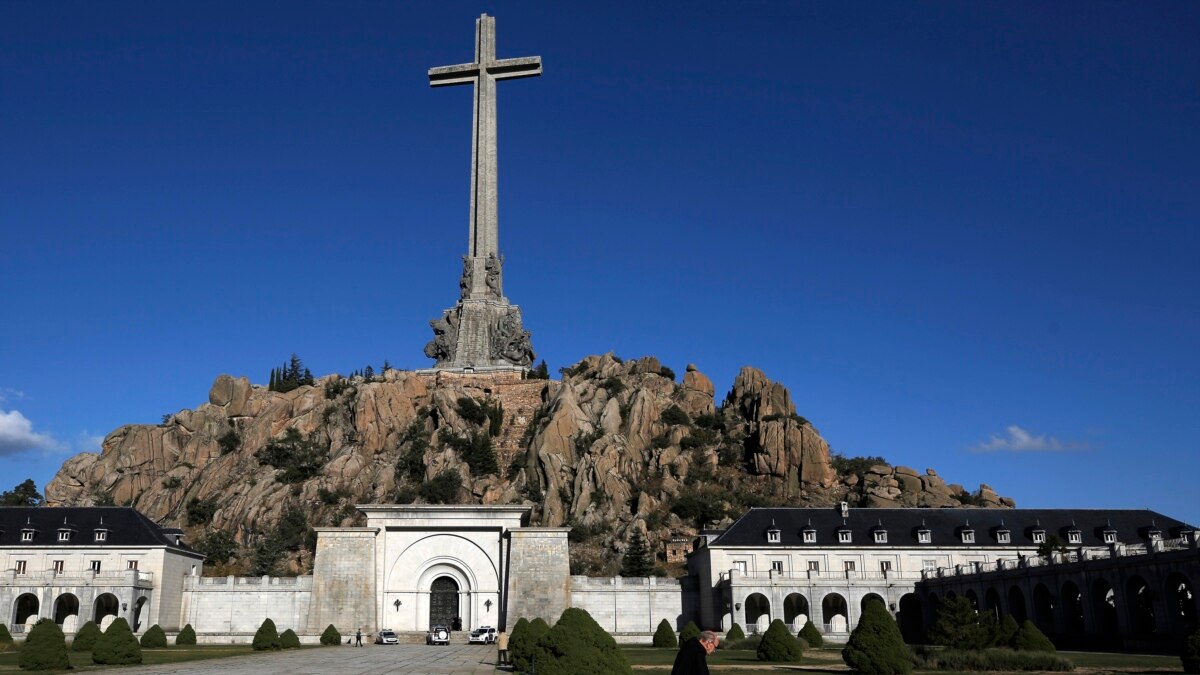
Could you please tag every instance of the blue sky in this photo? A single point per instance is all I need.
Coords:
(964, 234)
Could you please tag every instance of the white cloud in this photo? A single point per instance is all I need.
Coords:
(1020, 440)
(17, 435)
(10, 394)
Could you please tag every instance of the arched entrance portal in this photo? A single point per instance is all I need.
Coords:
(758, 612)
(106, 605)
(25, 609)
(443, 602)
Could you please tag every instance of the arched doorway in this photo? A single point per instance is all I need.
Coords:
(25, 609)
(795, 611)
(66, 611)
(1104, 608)
(862, 604)
(835, 611)
(1016, 604)
(991, 602)
(971, 595)
(1072, 602)
(1043, 609)
(106, 605)
(1181, 603)
(758, 612)
(443, 602)
(911, 625)
(1141, 607)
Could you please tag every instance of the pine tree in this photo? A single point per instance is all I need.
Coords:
(386, 366)
(117, 646)
(664, 637)
(45, 648)
(876, 645)
(271, 386)
(958, 626)
(636, 562)
(86, 637)
(369, 373)
(186, 637)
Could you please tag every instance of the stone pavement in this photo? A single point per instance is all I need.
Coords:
(369, 660)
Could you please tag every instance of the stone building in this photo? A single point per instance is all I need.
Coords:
(675, 549)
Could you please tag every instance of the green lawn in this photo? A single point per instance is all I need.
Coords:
(83, 660)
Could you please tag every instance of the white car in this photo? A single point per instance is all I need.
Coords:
(387, 636)
(438, 635)
(485, 635)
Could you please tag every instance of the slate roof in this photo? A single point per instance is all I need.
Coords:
(945, 525)
(125, 526)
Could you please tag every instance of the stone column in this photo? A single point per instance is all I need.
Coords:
(343, 587)
(539, 574)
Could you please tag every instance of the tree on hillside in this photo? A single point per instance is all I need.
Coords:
(289, 376)
(636, 562)
(24, 494)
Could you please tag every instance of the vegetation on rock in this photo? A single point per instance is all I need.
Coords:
(296, 457)
(664, 636)
(876, 646)
(117, 646)
(778, 644)
(442, 488)
(289, 376)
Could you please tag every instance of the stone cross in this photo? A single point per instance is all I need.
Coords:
(483, 73)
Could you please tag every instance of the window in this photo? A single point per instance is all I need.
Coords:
(1110, 537)
(880, 536)
(133, 564)
(814, 566)
(1039, 536)
(95, 566)
(740, 566)
(885, 566)
(968, 536)
(772, 536)
(776, 565)
(929, 565)
(849, 565)
(64, 535)
(1074, 537)
(26, 535)
(1003, 537)
(20, 567)
(101, 535)
(844, 536)
(57, 566)
(923, 537)
(810, 536)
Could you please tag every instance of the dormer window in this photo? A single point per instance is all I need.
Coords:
(1110, 536)
(968, 536)
(1074, 537)
(1155, 535)
(772, 536)
(64, 535)
(924, 536)
(101, 535)
(810, 536)
(26, 535)
(880, 536)
(1003, 537)
(843, 536)
(1039, 536)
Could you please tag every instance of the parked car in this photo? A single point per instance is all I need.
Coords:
(387, 636)
(483, 635)
(438, 635)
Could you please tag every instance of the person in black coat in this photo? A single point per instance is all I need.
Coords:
(692, 658)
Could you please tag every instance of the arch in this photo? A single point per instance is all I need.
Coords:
(1016, 604)
(950, 595)
(25, 609)
(862, 604)
(795, 610)
(1141, 606)
(1072, 604)
(758, 612)
(1181, 602)
(1043, 608)
(137, 613)
(477, 566)
(1104, 607)
(443, 602)
(991, 601)
(106, 605)
(66, 611)
(836, 613)
(973, 597)
(933, 609)
(909, 618)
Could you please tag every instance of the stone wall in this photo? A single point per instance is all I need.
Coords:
(539, 574)
(233, 605)
(343, 592)
(633, 605)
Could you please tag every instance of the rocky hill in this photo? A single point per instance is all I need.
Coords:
(613, 445)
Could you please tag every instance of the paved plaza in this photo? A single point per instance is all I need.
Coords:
(369, 660)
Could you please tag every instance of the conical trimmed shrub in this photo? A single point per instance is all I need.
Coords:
(331, 636)
(267, 637)
(664, 637)
(86, 637)
(117, 646)
(577, 645)
(154, 638)
(778, 644)
(45, 648)
(5, 636)
(522, 642)
(1007, 631)
(735, 633)
(811, 635)
(186, 637)
(289, 640)
(1191, 652)
(1030, 639)
(689, 631)
(876, 645)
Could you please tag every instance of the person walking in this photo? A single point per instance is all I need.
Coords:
(358, 638)
(692, 658)
(502, 648)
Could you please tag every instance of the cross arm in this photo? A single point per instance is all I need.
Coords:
(464, 73)
(525, 66)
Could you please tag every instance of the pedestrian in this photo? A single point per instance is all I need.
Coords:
(692, 658)
(358, 638)
(502, 648)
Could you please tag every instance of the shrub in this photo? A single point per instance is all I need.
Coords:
(675, 415)
(748, 644)
(1030, 639)
(266, 637)
(470, 410)
(289, 640)
(735, 633)
(218, 546)
(876, 645)
(1006, 632)
(230, 441)
(994, 660)
(667, 373)
(201, 511)
(778, 644)
(154, 638)
(476, 450)
(664, 637)
(172, 482)
(1190, 655)
(331, 636)
(296, 457)
(689, 631)
(45, 648)
(442, 488)
(186, 637)
(520, 651)
(577, 645)
(6, 640)
(86, 637)
(811, 635)
(958, 626)
(117, 646)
